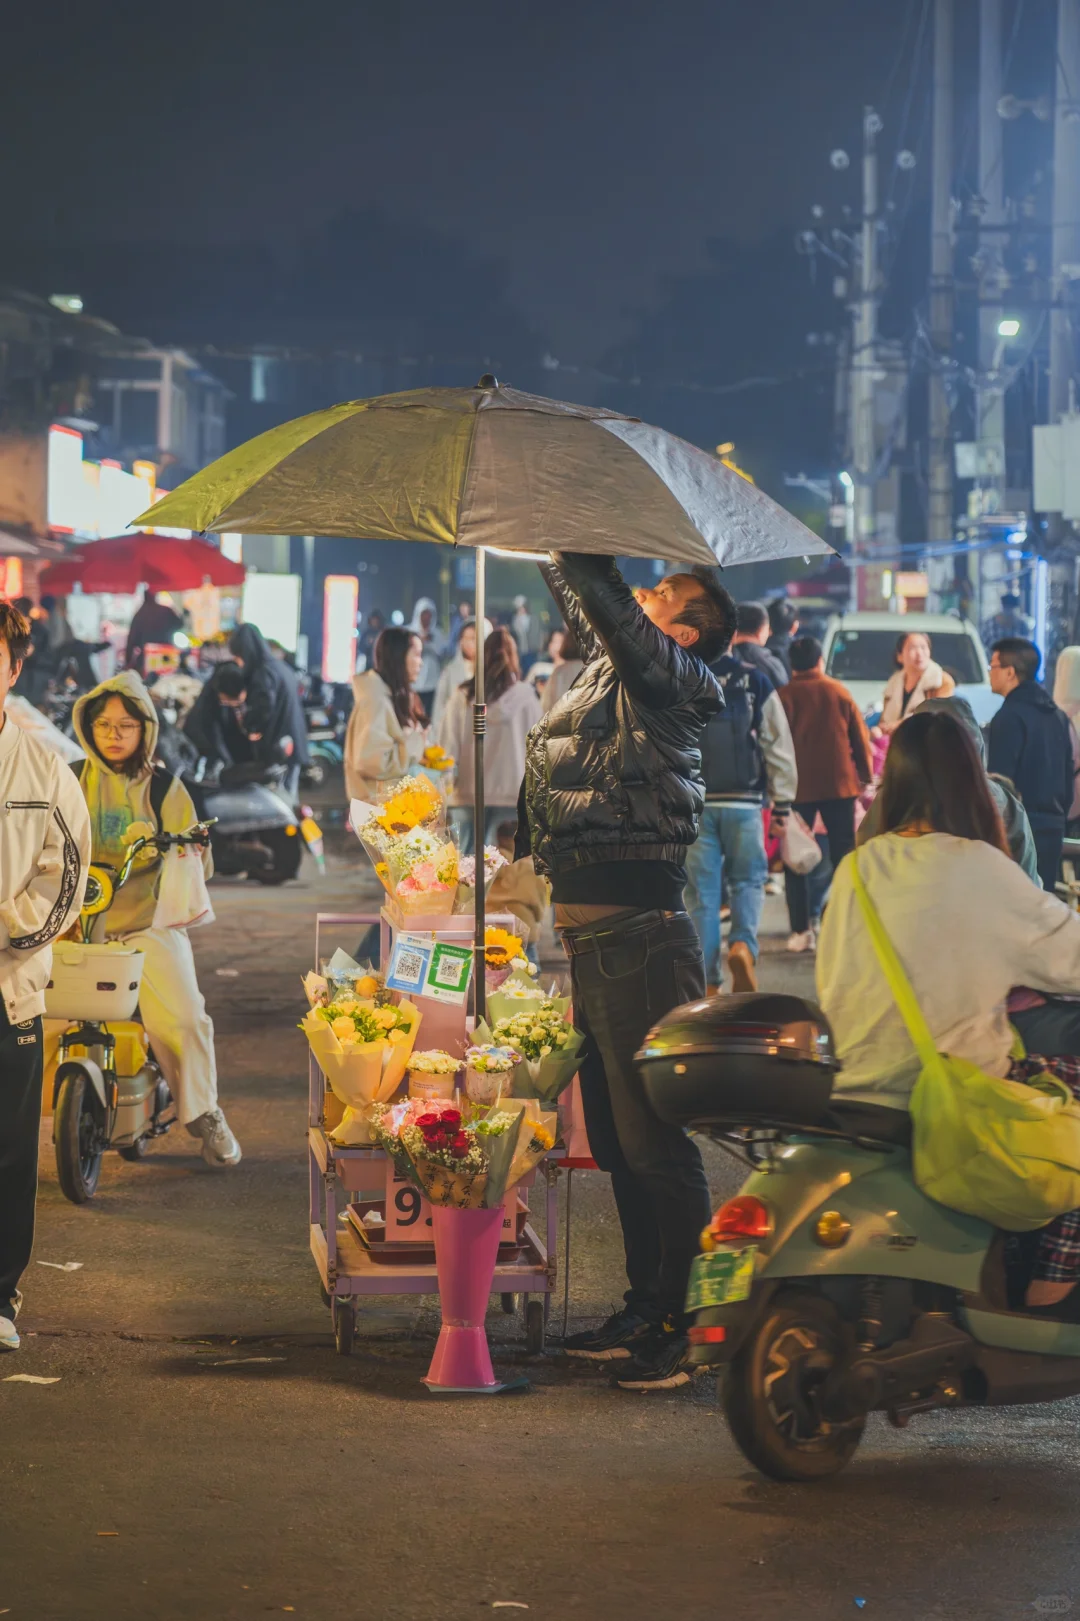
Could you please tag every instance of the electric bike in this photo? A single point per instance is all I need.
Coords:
(109, 1091)
(831, 1287)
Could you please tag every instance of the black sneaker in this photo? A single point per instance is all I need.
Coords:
(659, 1362)
(613, 1339)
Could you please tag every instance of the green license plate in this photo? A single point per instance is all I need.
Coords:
(720, 1278)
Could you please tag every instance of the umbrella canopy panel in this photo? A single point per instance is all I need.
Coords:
(489, 467)
(128, 561)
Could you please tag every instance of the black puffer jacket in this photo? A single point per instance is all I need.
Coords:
(613, 771)
(273, 708)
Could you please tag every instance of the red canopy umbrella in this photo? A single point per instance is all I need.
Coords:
(128, 561)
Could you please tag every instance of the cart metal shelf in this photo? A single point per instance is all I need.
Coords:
(341, 1179)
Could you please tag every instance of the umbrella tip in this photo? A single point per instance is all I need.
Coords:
(489, 380)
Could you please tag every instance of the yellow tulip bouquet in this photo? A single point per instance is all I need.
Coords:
(363, 1050)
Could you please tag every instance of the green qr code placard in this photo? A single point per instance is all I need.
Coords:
(448, 977)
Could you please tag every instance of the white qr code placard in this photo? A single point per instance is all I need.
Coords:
(410, 962)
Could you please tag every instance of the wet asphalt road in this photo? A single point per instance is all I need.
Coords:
(325, 1487)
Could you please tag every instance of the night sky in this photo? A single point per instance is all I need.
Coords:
(616, 185)
(593, 146)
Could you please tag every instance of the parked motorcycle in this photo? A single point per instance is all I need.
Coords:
(109, 1091)
(258, 827)
(831, 1287)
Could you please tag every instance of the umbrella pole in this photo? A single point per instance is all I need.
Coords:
(479, 728)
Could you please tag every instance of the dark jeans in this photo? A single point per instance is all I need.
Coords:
(626, 976)
(1048, 842)
(839, 818)
(20, 1113)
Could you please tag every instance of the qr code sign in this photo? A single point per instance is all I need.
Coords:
(450, 971)
(410, 966)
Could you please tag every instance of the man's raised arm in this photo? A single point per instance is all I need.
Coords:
(651, 666)
(570, 608)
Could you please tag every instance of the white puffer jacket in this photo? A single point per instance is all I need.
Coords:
(44, 857)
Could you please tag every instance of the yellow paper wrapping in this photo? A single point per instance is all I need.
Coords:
(362, 1075)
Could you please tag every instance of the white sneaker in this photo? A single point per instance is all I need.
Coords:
(219, 1146)
(802, 942)
(9, 1334)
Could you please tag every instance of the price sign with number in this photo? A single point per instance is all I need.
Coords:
(408, 1213)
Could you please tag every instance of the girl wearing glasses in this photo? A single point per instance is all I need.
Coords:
(117, 726)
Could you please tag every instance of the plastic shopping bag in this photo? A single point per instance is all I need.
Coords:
(183, 900)
(798, 847)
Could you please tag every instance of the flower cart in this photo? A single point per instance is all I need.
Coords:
(371, 1227)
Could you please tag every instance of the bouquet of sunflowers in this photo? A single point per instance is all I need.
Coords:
(548, 1046)
(363, 1050)
(405, 838)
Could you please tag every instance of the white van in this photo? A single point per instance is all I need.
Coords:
(860, 652)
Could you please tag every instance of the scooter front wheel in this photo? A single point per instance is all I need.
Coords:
(78, 1131)
(771, 1391)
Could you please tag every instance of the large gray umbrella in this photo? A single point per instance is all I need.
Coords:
(488, 467)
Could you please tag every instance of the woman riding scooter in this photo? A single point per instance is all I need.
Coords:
(968, 926)
(117, 726)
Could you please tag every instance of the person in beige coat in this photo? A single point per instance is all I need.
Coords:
(917, 678)
(386, 734)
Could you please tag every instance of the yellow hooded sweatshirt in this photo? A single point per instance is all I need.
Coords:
(115, 801)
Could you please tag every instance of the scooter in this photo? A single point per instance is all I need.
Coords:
(831, 1287)
(109, 1091)
(257, 826)
(259, 830)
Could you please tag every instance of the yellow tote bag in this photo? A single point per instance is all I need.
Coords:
(1007, 1152)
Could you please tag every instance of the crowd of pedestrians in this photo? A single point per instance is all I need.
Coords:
(793, 741)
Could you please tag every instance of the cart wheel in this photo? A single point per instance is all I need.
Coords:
(534, 1327)
(509, 1304)
(344, 1312)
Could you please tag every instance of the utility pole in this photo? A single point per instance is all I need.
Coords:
(863, 364)
(990, 423)
(1065, 238)
(940, 514)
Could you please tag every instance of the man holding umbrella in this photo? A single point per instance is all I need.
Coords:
(612, 795)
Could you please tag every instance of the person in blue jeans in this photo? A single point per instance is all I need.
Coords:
(748, 761)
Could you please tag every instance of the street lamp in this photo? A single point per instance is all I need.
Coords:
(1009, 328)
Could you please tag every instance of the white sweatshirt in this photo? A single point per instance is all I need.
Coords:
(44, 856)
(967, 924)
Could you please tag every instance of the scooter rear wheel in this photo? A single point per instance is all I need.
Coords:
(286, 852)
(78, 1131)
(771, 1388)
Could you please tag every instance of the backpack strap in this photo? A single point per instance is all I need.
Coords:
(161, 780)
(892, 968)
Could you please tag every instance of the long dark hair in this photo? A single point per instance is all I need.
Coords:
(502, 667)
(136, 764)
(388, 657)
(571, 647)
(933, 774)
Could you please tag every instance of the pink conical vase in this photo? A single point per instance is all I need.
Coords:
(466, 1248)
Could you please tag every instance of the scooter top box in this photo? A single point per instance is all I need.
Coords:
(757, 1059)
(93, 982)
